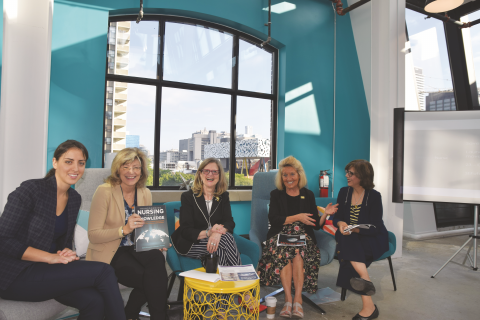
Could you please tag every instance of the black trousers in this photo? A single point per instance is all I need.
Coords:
(89, 286)
(144, 272)
(356, 248)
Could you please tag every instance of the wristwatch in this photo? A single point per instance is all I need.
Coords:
(123, 234)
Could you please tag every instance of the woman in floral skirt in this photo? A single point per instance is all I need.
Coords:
(292, 211)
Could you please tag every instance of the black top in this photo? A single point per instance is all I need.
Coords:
(371, 212)
(194, 219)
(280, 210)
(28, 220)
(293, 205)
(60, 230)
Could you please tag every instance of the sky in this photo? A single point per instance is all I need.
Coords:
(197, 55)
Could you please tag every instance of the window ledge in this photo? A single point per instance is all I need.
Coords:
(161, 196)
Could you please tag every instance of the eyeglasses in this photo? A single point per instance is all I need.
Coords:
(207, 172)
(349, 173)
(135, 169)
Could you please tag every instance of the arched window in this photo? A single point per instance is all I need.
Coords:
(184, 90)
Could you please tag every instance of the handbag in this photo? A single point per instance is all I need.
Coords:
(175, 310)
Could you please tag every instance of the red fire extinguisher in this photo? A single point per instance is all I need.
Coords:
(324, 182)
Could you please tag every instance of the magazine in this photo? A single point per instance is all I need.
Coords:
(154, 233)
(362, 226)
(237, 273)
(291, 240)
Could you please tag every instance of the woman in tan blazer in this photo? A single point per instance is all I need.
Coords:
(110, 228)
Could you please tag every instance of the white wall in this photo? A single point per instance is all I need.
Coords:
(388, 92)
(27, 30)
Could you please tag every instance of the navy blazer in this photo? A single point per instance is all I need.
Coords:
(28, 220)
(194, 219)
(278, 211)
(371, 212)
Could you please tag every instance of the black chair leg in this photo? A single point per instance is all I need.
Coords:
(180, 289)
(170, 284)
(344, 293)
(391, 271)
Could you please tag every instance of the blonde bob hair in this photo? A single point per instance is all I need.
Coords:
(222, 184)
(290, 161)
(126, 156)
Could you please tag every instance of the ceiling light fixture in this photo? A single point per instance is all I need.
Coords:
(436, 6)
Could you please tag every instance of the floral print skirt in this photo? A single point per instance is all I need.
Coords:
(275, 258)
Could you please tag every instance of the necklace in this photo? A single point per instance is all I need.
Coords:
(355, 200)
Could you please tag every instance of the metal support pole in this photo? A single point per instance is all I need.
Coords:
(474, 237)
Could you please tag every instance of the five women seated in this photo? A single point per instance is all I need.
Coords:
(206, 227)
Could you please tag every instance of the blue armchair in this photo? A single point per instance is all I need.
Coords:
(249, 252)
(263, 184)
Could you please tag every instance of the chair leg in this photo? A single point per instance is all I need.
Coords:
(391, 271)
(180, 290)
(313, 304)
(344, 293)
(170, 284)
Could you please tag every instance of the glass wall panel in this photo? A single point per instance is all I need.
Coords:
(471, 41)
(252, 146)
(255, 68)
(194, 126)
(130, 120)
(198, 55)
(427, 75)
(133, 48)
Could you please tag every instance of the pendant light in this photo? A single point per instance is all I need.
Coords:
(436, 6)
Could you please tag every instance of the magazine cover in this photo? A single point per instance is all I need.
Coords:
(154, 233)
(237, 273)
(291, 240)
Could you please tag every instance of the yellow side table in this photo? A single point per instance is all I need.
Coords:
(212, 300)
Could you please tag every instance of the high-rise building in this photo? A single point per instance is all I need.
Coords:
(420, 87)
(195, 145)
(441, 101)
(116, 95)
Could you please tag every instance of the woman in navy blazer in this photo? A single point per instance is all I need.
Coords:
(37, 262)
(358, 248)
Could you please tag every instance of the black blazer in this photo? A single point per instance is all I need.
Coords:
(371, 212)
(28, 220)
(278, 212)
(194, 219)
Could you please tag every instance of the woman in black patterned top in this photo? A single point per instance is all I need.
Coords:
(358, 248)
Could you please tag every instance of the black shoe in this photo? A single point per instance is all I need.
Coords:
(363, 285)
(374, 315)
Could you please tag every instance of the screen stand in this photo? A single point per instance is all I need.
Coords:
(473, 236)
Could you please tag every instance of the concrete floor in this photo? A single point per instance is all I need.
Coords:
(452, 294)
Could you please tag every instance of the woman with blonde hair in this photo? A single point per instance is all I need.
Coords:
(206, 222)
(110, 226)
(292, 211)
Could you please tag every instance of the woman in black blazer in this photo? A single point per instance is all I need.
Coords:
(206, 222)
(358, 248)
(292, 211)
(36, 231)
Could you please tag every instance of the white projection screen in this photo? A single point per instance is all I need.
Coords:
(442, 156)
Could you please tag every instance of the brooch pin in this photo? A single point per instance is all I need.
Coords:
(217, 198)
(302, 197)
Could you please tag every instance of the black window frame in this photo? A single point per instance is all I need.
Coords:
(234, 92)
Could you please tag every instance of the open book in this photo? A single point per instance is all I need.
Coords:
(362, 226)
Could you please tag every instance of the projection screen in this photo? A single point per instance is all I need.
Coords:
(442, 156)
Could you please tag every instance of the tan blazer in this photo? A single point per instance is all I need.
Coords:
(107, 215)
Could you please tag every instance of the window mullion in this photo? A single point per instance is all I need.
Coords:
(233, 114)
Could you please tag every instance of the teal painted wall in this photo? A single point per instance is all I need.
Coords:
(1, 48)
(305, 39)
(352, 140)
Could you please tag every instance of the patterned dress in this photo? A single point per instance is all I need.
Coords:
(275, 258)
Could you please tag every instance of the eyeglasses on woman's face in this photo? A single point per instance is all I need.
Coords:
(349, 173)
(131, 168)
(207, 172)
